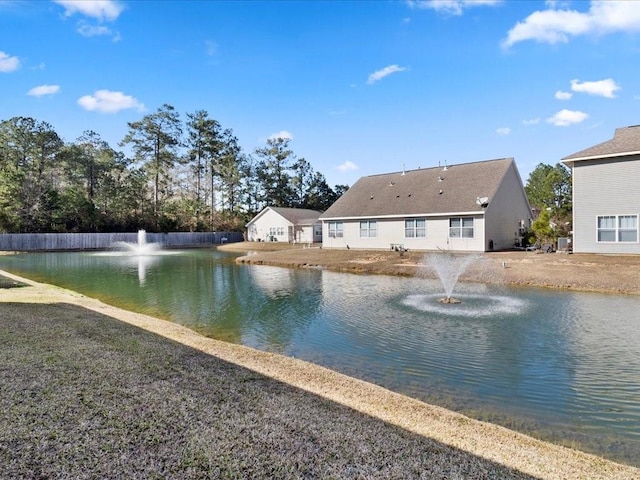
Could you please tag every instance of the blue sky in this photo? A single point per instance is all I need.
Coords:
(360, 87)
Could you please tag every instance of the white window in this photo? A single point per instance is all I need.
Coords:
(628, 228)
(461, 227)
(276, 231)
(415, 227)
(336, 229)
(617, 228)
(368, 229)
(607, 229)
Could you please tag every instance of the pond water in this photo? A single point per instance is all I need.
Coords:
(560, 366)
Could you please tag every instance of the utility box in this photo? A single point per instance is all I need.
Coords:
(563, 243)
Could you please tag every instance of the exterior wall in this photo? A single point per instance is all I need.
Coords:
(508, 207)
(391, 231)
(604, 187)
(302, 234)
(259, 228)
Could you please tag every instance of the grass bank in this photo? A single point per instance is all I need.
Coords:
(92, 391)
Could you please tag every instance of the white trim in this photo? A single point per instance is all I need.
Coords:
(462, 227)
(404, 215)
(617, 229)
(600, 157)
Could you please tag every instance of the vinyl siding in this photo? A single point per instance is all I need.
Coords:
(391, 231)
(297, 227)
(505, 211)
(436, 194)
(604, 187)
(259, 230)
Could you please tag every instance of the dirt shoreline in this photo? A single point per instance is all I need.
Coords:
(617, 274)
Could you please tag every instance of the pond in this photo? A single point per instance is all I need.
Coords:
(561, 366)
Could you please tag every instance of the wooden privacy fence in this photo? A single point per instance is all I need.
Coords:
(103, 241)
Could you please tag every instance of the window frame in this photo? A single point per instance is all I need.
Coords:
(276, 231)
(335, 229)
(462, 228)
(369, 228)
(412, 230)
(615, 230)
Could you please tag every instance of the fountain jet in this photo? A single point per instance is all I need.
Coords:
(141, 247)
(448, 268)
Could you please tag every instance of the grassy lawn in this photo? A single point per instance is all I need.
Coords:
(86, 396)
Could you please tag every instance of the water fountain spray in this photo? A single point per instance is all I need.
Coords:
(448, 267)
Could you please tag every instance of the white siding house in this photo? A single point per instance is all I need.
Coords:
(279, 224)
(478, 206)
(606, 194)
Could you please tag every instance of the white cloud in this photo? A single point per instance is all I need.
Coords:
(106, 101)
(451, 7)
(503, 131)
(532, 121)
(564, 118)
(8, 63)
(604, 88)
(281, 134)
(44, 90)
(347, 167)
(384, 72)
(560, 95)
(101, 10)
(556, 26)
(87, 30)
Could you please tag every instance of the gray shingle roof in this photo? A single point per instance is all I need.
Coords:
(422, 192)
(298, 216)
(625, 140)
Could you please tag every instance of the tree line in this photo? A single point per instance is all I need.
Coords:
(549, 191)
(189, 175)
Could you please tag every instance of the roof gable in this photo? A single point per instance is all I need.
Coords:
(625, 141)
(427, 191)
(296, 216)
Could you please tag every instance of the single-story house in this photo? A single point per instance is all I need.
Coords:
(606, 194)
(280, 224)
(479, 206)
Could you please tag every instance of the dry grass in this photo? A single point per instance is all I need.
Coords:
(91, 391)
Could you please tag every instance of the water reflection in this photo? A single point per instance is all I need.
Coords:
(562, 365)
(140, 263)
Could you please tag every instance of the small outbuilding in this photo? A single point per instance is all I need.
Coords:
(606, 194)
(280, 224)
(479, 206)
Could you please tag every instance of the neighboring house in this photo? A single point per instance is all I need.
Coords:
(606, 194)
(478, 206)
(279, 224)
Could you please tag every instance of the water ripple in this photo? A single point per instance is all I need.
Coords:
(471, 306)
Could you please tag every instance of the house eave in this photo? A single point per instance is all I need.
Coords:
(405, 215)
(569, 161)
